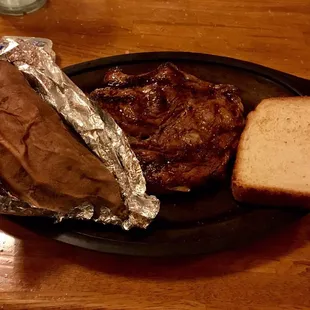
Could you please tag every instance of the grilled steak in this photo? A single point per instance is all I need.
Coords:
(182, 129)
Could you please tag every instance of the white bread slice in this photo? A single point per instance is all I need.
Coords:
(273, 160)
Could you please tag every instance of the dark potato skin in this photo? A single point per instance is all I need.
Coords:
(41, 162)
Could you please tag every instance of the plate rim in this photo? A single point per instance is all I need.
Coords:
(297, 84)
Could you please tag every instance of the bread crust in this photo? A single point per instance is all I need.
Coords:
(269, 196)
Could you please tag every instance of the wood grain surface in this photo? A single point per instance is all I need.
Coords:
(37, 273)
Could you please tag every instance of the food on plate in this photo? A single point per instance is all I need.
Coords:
(272, 165)
(182, 129)
(41, 162)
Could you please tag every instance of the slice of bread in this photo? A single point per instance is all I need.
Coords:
(273, 159)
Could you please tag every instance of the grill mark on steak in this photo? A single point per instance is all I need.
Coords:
(182, 129)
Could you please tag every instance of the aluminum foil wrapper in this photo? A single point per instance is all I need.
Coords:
(36, 59)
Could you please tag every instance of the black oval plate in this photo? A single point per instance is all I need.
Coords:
(202, 221)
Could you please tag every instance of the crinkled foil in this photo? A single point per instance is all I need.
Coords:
(35, 58)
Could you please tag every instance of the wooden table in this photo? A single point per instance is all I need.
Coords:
(36, 273)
